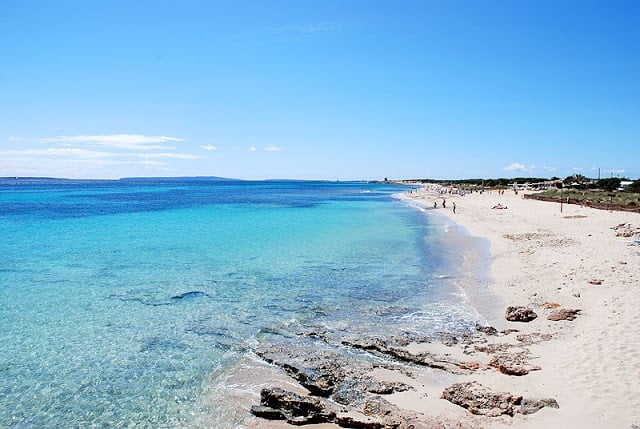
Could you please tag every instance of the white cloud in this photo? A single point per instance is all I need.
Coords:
(516, 166)
(272, 148)
(119, 141)
(252, 149)
(209, 147)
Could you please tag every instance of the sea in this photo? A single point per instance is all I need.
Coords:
(125, 303)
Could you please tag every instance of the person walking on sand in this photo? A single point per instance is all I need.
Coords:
(454, 208)
(444, 203)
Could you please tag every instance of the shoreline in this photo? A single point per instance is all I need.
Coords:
(543, 258)
(574, 363)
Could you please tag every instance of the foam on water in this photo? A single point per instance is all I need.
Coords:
(125, 303)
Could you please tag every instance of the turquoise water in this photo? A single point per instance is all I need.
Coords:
(120, 299)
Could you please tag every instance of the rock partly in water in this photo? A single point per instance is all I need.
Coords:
(431, 360)
(564, 314)
(280, 404)
(520, 314)
(480, 400)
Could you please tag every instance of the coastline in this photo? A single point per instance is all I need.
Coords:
(543, 258)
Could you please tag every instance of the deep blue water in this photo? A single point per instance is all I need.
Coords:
(119, 299)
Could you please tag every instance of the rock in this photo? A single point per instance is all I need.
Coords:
(512, 364)
(444, 363)
(520, 314)
(480, 400)
(191, 294)
(596, 281)
(296, 409)
(488, 330)
(530, 406)
(564, 314)
(533, 338)
(349, 421)
(550, 305)
(319, 372)
(267, 413)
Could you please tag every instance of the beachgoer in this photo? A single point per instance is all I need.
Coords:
(435, 205)
(444, 204)
(454, 208)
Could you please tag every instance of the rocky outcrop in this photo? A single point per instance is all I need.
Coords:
(480, 400)
(296, 409)
(430, 360)
(280, 404)
(563, 314)
(520, 314)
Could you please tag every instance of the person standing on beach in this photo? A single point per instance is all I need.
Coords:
(444, 203)
(454, 208)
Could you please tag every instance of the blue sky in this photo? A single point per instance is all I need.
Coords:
(319, 89)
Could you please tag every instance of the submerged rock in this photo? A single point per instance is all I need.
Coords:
(190, 294)
(520, 314)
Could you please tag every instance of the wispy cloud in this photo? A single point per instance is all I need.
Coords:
(91, 154)
(516, 166)
(306, 28)
(252, 149)
(272, 148)
(167, 155)
(209, 147)
(118, 141)
(616, 171)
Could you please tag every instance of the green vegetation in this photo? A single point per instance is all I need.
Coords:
(608, 184)
(634, 187)
(594, 196)
(576, 189)
(486, 183)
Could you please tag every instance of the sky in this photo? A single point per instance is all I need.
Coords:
(324, 89)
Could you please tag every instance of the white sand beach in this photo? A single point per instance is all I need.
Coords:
(546, 259)
(587, 366)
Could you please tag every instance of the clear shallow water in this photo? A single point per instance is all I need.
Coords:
(120, 299)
